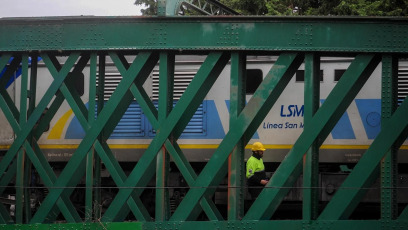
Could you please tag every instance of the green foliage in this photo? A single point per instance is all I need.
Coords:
(247, 7)
(306, 7)
(371, 8)
(276, 7)
(151, 6)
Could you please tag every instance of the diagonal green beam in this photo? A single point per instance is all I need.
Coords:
(90, 138)
(6, 97)
(367, 170)
(66, 206)
(119, 176)
(193, 96)
(77, 106)
(40, 168)
(7, 160)
(67, 209)
(11, 69)
(190, 176)
(135, 205)
(404, 214)
(15, 126)
(323, 122)
(44, 163)
(46, 119)
(5, 217)
(80, 115)
(71, 96)
(127, 72)
(69, 92)
(151, 111)
(11, 113)
(252, 115)
(190, 100)
(178, 157)
(4, 59)
(48, 177)
(26, 129)
(5, 180)
(111, 163)
(6, 77)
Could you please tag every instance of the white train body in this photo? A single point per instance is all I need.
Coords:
(279, 130)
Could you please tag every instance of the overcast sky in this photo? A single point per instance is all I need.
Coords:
(35, 8)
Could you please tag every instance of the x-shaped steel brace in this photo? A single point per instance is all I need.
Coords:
(23, 130)
(245, 124)
(174, 124)
(143, 64)
(322, 122)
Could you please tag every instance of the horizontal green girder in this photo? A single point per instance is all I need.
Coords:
(205, 33)
(198, 225)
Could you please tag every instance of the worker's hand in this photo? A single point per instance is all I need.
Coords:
(264, 182)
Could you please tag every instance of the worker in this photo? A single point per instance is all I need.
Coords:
(255, 170)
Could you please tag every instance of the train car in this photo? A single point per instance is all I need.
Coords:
(349, 139)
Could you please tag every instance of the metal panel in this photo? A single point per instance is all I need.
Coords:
(205, 33)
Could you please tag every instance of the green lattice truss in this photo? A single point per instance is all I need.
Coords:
(88, 41)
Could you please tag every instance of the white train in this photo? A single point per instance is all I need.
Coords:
(280, 129)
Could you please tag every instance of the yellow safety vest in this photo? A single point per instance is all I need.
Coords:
(254, 165)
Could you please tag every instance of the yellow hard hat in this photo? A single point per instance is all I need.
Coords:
(258, 146)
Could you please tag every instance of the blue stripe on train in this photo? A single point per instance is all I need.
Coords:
(205, 124)
(134, 128)
(343, 128)
(370, 113)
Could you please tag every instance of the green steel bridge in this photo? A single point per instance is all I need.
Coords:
(155, 41)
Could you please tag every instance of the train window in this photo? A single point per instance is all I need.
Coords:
(300, 75)
(77, 80)
(253, 80)
(338, 73)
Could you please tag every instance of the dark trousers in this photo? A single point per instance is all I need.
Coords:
(254, 190)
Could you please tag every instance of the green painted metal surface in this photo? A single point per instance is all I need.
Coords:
(389, 165)
(89, 226)
(148, 42)
(236, 179)
(201, 225)
(209, 33)
(311, 162)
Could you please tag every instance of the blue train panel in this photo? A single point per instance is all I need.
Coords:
(205, 124)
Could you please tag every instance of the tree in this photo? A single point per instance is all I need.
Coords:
(306, 7)
(151, 6)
